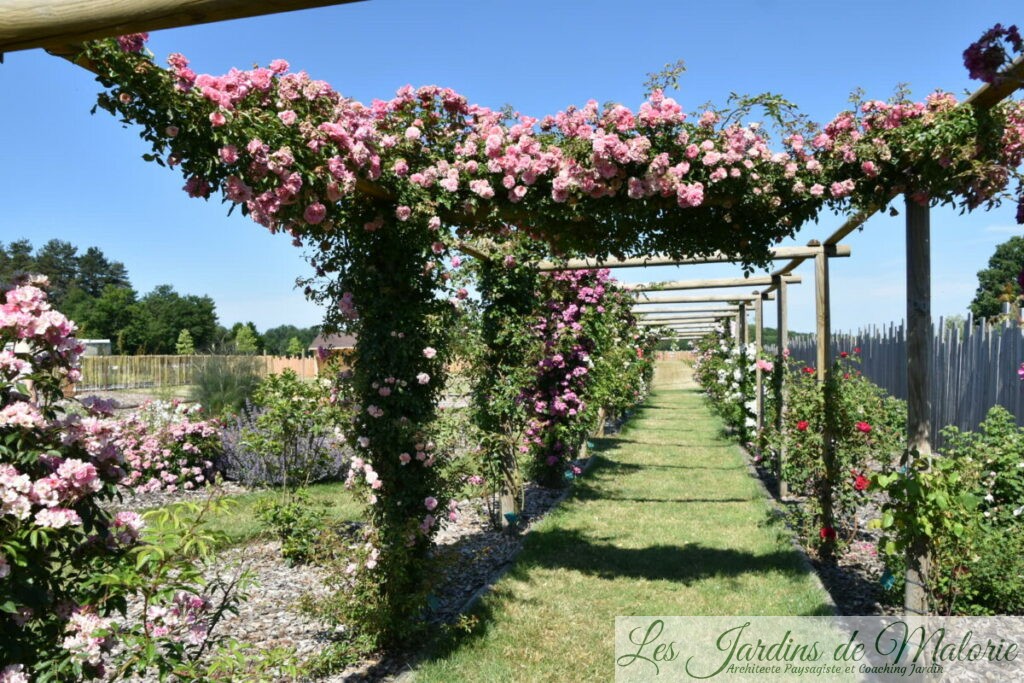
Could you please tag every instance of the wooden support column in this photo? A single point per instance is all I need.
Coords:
(780, 379)
(824, 363)
(741, 328)
(919, 406)
(758, 374)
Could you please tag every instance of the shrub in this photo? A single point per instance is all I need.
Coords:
(166, 448)
(69, 566)
(868, 431)
(968, 508)
(223, 383)
(288, 435)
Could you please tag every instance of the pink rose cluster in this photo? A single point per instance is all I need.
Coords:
(166, 448)
(555, 402)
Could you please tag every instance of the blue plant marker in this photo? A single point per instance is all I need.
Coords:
(569, 476)
(590, 444)
(887, 580)
(511, 517)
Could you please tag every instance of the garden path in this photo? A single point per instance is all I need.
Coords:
(667, 521)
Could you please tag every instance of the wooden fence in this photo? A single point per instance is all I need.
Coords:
(972, 368)
(137, 372)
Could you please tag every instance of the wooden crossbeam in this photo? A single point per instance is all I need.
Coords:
(719, 283)
(777, 254)
(715, 310)
(698, 298)
(26, 24)
(670, 321)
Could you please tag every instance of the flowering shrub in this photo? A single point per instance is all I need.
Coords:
(289, 435)
(969, 508)
(868, 433)
(166, 448)
(67, 563)
(726, 372)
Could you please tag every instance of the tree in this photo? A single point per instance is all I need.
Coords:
(998, 283)
(16, 257)
(58, 261)
(277, 339)
(295, 347)
(185, 345)
(95, 272)
(246, 339)
(158, 318)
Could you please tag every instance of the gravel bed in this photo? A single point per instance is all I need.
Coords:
(473, 556)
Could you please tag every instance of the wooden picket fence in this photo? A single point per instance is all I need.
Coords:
(141, 372)
(973, 368)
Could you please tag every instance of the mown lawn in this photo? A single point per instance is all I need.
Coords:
(667, 522)
(237, 521)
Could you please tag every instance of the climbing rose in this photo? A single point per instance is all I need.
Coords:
(827, 532)
(809, 370)
(860, 482)
(430, 503)
(133, 42)
(863, 427)
(429, 352)
(802, 425)
(315, 213)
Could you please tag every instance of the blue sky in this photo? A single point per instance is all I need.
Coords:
(77, 177)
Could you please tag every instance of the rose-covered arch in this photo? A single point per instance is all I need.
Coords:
(378, 193)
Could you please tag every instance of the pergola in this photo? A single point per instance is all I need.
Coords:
(60, 26)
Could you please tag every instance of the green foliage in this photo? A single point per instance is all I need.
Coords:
(998, 282)
(277, 341)
(966, 509)
(868, 433)
(157, 319)
(75, 279)
(246, 338)
(185, 346)
(293, 432)
(223, 383)
(295, 348)
(297, 521)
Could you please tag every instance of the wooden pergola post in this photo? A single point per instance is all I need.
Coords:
(780, 380)
(824, 363)
(758, 374)
(919, 406)
(741, 324)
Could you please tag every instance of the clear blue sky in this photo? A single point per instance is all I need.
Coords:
(77, 177)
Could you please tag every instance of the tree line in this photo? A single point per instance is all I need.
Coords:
(98, 295)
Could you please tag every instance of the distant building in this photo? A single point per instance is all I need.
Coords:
(96, 347)
(328, 346)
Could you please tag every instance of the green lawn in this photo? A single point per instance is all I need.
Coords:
(667, 522)
(237, 522)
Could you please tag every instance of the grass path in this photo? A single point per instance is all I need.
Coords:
(667, 522)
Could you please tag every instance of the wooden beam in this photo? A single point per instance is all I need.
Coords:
(824, 366)
(777, 254)
(741, 323)
(699, 299)
(780, 366)
(831, 250)
(26, 24)
(723, 310)
(673, 321)
(919, 405)
(758, 374)
(720, 283)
